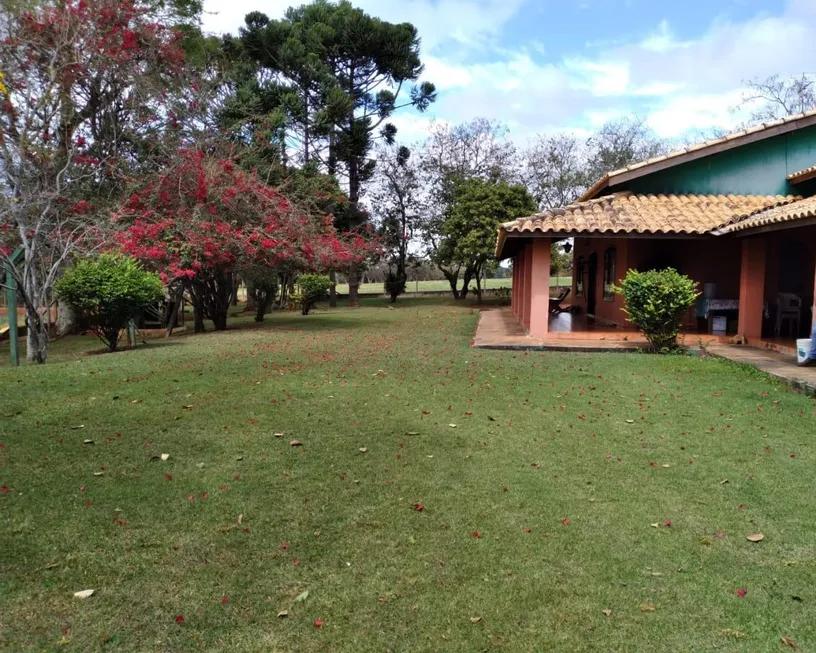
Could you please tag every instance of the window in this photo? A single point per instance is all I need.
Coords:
(610, 256)
(579, 277)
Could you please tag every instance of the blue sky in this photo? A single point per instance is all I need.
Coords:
(542, 66)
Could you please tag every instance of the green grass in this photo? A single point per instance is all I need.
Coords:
(432, 286)
(539, 438)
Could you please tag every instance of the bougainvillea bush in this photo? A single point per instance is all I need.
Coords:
(203, 219)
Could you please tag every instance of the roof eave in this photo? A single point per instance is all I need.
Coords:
(671, 160)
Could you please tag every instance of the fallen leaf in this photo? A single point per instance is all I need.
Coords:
(607, 612)
(278, 435)
(630, 421)
(283, 614)
(241, 519)
(787, 641)
(302, 596)
(79, 426)
(475, 620)
(756, 537)
(188, 406)
(666, 465)
(295, 443)
(165, 456)
(87, 442)
(655, 525)
(412, 433)
(239, 457)
(84, 594)
(453, 426)
(363, 449)
(200, 465)
(647, 607)
(99, 473)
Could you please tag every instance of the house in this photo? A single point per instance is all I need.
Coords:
(736, 214)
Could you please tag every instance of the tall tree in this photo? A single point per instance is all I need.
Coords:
(395, 199)
(87, 84)
(479, 207)
(555, 169)
(350, 71)
(777, 97)
(449, 157)
(620, 143)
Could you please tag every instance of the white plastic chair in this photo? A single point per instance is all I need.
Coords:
(789, 307)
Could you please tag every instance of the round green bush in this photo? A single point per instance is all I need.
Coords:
(106, 292)
(656, 301)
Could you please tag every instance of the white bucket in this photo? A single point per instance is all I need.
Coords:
(802, 349)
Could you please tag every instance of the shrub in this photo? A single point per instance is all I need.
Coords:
(656, 301)
(313, 288)
(106, 292)
(394, 285)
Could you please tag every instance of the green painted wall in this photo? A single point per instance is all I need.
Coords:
(759, 168)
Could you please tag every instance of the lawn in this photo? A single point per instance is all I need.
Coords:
(433, 286)
(595, 502)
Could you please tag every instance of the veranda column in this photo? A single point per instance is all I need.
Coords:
(514, 290)
(752, 289)
(540, 288)
(522, 288)
(528, 282)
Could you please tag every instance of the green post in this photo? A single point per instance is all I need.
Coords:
(11, 285)
(11, 294)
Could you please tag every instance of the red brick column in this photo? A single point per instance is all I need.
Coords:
(540, 287)
(515, 289)
(752, 288)
(528, 282)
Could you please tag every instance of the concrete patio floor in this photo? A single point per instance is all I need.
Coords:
(499, 329)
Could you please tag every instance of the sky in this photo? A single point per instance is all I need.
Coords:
(546, 66)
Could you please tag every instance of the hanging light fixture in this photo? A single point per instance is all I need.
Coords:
(568, 247)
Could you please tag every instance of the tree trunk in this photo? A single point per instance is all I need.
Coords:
(478, 287)
(36, 338)
(333, 289)
(236, 284)
(453, 280)
(198, 318)
(250, 300)
(466, 278)
(354, 285)
(66, 319)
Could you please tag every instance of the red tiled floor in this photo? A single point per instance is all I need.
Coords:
(499, 329)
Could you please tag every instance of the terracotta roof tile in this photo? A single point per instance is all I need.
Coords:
(799, 210)
(802, 175)
(626, 213)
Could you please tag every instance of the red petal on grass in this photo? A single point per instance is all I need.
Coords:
(667, 523)
(296, 562)
(720, 534)
(477, 535)
(565, 521)
(223, 487)
(179, 618)
(528, 530)
(318, 623)
(169, 477)
(4, 490)
(225, 599)
(204, 495)
(191, 497)
(742, 592)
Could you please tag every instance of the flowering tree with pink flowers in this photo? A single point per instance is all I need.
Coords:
(202, 219)
(86, 84)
